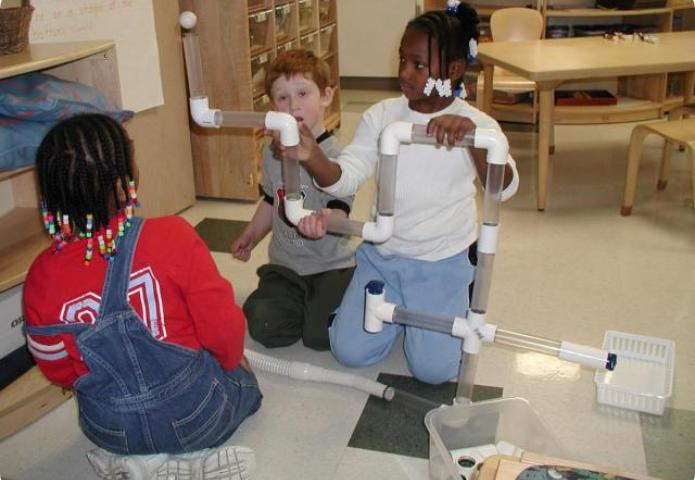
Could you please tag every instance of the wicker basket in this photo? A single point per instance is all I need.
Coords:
(14, 28)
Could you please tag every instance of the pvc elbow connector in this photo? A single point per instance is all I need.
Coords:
(393, 135)
(376, 310)
(295, 211)
(513, 186)
(202, 114)
(494, 142)
(379, 231)
(286, 125)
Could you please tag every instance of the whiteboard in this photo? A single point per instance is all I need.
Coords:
(129, 23)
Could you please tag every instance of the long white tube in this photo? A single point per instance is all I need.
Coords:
(378, 312)
(306, 371)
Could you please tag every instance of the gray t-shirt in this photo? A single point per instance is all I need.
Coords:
(287, 246)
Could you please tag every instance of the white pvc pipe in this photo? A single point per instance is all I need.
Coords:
(306, 371)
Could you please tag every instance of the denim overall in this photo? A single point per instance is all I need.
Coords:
(144, 396)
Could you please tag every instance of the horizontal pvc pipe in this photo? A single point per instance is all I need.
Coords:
(306, 371)
(419, 135)
(572, 352)
(344, 226)
(240, 119)
(437, 323)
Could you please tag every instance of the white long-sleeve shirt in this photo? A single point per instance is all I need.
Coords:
(435, 209)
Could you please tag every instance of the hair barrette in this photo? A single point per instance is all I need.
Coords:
(452, 5)
(472, 48)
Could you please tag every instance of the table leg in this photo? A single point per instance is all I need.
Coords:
(688, 95)
(488, 71)
(545, 130)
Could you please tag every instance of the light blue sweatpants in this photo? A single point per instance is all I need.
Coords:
(439, 287)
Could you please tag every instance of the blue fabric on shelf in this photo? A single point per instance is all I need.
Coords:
(31, 104)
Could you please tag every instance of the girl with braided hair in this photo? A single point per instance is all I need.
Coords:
(132, 314)
(424, 265)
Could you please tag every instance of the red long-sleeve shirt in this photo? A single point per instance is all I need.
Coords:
(174, 287)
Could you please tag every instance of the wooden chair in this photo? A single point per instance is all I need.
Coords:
(514, 24)
(675, 132)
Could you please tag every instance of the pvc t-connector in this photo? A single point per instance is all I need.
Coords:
(379, 231)
(376, 310)
(294, 210)
(393, 135)
(474, 339)
(494, 142)
(286, 125)
(588, 356)
(202, 114)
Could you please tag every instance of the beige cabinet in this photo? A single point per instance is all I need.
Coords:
(21, 231)
(238, 40)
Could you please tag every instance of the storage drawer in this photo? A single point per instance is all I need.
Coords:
(260, 31)
(310, 42)
(327, 40)
(259, 68)
(308, 18)
(285, 23)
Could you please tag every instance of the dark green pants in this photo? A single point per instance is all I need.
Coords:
(286, 306)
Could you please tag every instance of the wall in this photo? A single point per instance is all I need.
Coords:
(161, 134)
(369, 35)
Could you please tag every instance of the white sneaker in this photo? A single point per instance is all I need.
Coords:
(223, 463)
(110, 466)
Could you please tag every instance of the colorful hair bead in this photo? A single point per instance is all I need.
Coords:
(132, 193)
(89, 225)
(89, 253)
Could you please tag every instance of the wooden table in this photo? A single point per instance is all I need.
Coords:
(555, 61)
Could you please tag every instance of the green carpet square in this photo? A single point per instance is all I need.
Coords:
(218, 234)
(399, 426)
(668, 444)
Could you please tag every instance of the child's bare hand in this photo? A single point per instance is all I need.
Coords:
(449, 128)
(242, 246)
(315, 225)
(307, 147)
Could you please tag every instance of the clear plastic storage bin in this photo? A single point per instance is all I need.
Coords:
(327, 39)
(284, 24)
(288, 46)
(260, 33)
(326, 12)
(310, 42)
(259, 68)
(508, 421)
(308, 18)
(261, 104)
(643, 376)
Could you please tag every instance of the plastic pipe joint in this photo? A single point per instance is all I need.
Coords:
(202, 114)
(286, 125)
(393, 135)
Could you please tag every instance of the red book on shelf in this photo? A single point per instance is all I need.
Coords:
(584, 97)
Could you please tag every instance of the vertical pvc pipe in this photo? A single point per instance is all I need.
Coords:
(387, 184)
(194, 65)
(290, 177)
(487, 246)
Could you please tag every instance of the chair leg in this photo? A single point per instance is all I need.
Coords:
(633, 159)
(665, 165)
(690, 147)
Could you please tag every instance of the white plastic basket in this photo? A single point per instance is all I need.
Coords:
(643, 377)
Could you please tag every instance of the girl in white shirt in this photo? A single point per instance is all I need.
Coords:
(424, 265)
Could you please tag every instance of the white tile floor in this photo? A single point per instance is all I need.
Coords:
(570, 273)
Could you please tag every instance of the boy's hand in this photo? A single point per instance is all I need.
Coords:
(242, 246)
(451, 128)
(303, 152)
(315, 225)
